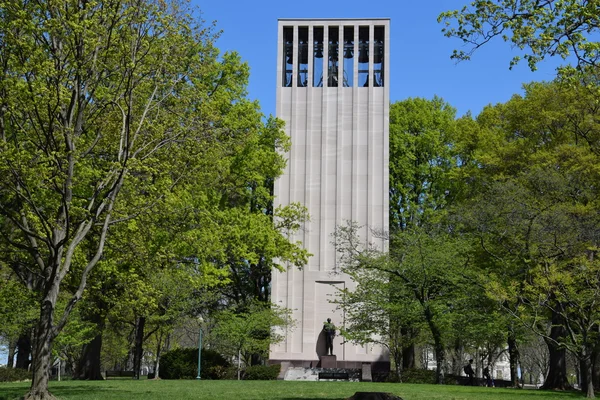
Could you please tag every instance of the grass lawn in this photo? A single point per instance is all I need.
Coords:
(125, 389)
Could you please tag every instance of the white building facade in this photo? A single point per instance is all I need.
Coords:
(333, 94)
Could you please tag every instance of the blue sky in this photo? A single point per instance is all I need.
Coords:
(420, 64)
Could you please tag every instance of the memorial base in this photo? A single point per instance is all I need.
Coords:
(329, 361)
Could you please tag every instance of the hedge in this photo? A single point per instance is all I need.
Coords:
(183, 364)
(14, 374)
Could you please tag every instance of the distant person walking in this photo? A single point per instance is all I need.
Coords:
(469, 372)
(489, 382)
(329, 329)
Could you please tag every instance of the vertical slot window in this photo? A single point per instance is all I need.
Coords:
(378, 56)
(333, 61)
(318, 56)
(302, 56)
(348, 56)
(288, 55)
(363, 56)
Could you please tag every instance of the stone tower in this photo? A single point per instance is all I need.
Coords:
(333, 94)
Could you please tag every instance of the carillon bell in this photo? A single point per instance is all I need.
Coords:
(348, 50)
(289, 53)
(363, 53)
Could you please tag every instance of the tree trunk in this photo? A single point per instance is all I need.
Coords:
(42, 348)
(398, 364)
(557, 372)
(138, 343)
(513, 354)
(457, 359)
(158, 354)
(408, 356)
(89, 367)
(438, 346)
(23, 351)
(12, 346)
(596, 368)
(587, 384)
(439, 360)
(159, 349)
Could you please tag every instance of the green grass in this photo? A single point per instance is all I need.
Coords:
(269, 390)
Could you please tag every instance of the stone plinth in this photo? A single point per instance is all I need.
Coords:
(366, 373)
(329, 361)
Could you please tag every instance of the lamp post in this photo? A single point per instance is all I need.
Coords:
(200, 320)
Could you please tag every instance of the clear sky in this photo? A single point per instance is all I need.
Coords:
(420, 64)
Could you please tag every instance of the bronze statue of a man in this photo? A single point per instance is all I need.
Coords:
(329, 329)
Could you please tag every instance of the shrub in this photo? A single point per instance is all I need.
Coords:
(183, 364)
(418, 376)
(451, 379)
(262, 372)
(391, 377)
(223, 372)
(14, 374)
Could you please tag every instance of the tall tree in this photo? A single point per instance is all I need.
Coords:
(95, 98)
(422, 134)
(427, 265)
(536, 211)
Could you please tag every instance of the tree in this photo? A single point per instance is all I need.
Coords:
(203, 234)
(95, 98)
(17, 316)
(241, 334)
(422, 134)
(537, 216)
(539, 28)
(427, 265)
(380, 311)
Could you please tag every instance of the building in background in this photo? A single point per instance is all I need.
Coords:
(333, 94)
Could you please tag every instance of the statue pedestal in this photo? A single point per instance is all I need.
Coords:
(329, 361)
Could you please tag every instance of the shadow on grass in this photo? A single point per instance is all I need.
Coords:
(11, 394)
(522, 394)
(71, 390)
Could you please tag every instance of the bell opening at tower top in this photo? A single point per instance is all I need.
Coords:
(348, 56)
(303, 56)
(318, 56)
(333, 56)
(378, 56)
(363, 56)
(288, 55)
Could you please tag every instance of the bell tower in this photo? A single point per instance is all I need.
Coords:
(333, 94)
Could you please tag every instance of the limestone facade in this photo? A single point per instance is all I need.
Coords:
(333, 94)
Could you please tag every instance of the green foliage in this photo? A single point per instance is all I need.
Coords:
(262, 372)
(76, 333)
(414, 375)
(535, 210)
(251, 331)
(18, 306)
(110, 110)
(182, 363)
(124, 115)
(14, 374)
(539, 28)
(422, 157)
